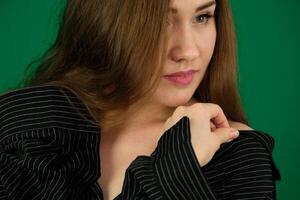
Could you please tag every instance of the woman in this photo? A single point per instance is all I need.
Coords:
(157, 81)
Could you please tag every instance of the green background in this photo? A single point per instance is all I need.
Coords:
(268, 53)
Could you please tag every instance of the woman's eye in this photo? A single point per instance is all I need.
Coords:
(202, 19)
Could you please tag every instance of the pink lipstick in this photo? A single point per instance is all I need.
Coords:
(183, 78)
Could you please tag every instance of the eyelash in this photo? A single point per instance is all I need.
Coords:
(207, 17)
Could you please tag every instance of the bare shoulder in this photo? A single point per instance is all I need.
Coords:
(239, 125)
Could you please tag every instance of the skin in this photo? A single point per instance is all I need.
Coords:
(191, 44)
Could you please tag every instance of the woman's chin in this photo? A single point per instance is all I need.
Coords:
(176, 101)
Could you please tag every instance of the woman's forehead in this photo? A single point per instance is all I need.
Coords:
(197, 5)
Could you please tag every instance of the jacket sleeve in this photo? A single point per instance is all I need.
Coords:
(47, 152)
(250, 168)
(177, 168)
(173, 171)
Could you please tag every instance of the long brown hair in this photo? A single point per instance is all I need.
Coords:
(106, 49)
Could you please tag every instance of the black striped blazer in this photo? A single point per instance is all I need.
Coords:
(48, 151)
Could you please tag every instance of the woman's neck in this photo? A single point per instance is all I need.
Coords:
(141, 115)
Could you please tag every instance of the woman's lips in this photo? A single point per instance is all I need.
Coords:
(183, 78)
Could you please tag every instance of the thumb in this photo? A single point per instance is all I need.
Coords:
(226, 134)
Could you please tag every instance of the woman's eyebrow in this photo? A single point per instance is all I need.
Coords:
(199, 8)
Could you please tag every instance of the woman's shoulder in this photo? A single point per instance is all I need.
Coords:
(32, 99)
(248, 135)
(42, 135)
(253, 148)
(41, 106)
(35, 94)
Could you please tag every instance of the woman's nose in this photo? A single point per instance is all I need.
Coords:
(184, 45)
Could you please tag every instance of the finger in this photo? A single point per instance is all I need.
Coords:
(226, 134)
(212, 126)
(217, 115)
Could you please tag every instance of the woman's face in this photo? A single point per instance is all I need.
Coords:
(191, 40)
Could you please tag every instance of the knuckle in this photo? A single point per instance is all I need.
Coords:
(179, 109)
(198, 106)
(210, 104)
(214, 105)
(208, 107)
(218, 107)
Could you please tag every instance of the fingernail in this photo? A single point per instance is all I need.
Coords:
(234, 133)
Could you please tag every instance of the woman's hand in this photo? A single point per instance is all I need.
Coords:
(208, 126)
